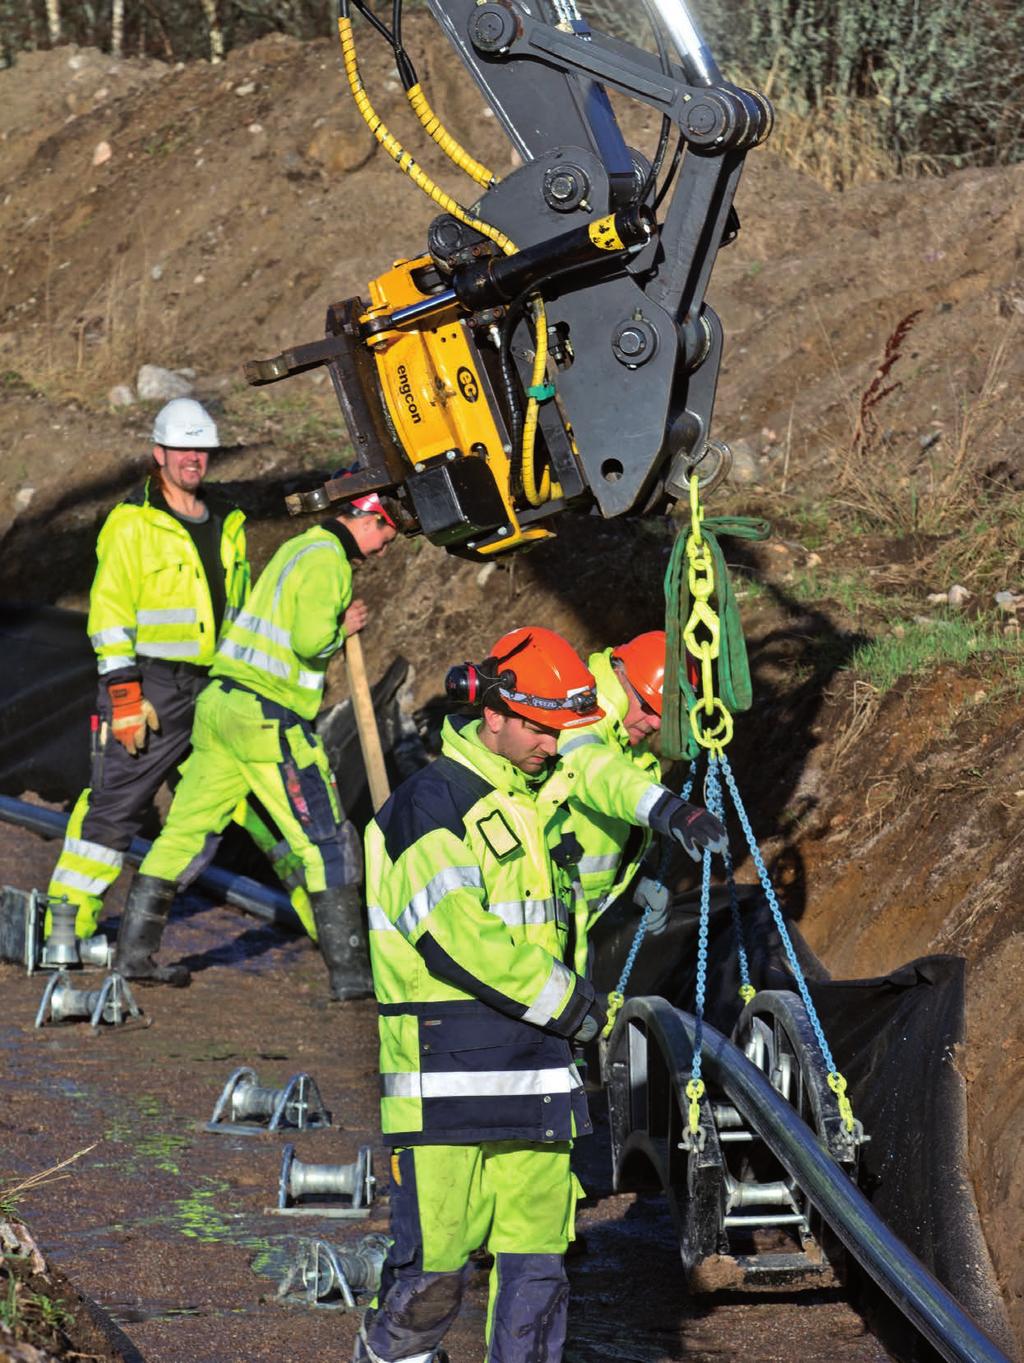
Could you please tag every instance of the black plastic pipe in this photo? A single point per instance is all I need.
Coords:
(241, 892)
(915, 1291)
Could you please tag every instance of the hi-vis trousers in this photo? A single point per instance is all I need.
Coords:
(243, 744)
(516, 1198)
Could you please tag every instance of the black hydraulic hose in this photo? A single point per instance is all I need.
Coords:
(227, 888)
(915, 1291)
(666, 122)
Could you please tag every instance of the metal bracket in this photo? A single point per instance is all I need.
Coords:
(245, 1104)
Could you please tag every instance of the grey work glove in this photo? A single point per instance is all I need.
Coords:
(593, 1024)
(692, 827)
(652, 895)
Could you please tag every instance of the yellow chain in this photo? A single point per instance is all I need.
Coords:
(695, 1092)
(747, 992)
(710, 721)
(837, 1084)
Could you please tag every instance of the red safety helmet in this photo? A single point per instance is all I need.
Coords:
(537, 675)
(369, 504)
(644, 661)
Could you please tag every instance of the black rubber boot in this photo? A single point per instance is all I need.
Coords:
(142, 925)
(338, 916)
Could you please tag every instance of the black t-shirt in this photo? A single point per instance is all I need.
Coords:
(206, 535)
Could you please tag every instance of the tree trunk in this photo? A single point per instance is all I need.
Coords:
(216, 33)
(117, 27)
(53, 21)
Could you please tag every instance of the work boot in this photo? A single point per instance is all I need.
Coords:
(338, 915)
(142, 926)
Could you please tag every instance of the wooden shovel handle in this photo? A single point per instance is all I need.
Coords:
(366, 722)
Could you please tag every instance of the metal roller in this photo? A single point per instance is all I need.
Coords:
(246, 1108)
(22, 915)
(329, 1276)
(354, 1182)
(113, 1002)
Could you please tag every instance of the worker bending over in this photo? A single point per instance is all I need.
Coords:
(171, 569)
(472, 890)
(254, 733)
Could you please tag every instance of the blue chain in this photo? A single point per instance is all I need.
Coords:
(716, 806)
(773, 904)
(638, 938)
(702, 958)
(641, 927)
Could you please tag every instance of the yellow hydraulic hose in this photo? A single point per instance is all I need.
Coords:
(455, 152)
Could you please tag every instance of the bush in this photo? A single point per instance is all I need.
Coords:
(942, 78)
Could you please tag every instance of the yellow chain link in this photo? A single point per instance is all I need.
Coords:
(747, 992)
(710, 732)
(695, 1092)
(837, 1084)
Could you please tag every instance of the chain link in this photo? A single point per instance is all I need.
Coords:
(702, 634)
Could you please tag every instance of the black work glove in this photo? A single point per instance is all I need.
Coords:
(593, 1024)
(691, 826)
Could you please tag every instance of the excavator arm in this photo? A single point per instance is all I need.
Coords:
(551, 347)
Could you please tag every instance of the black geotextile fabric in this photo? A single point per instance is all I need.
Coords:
(896, 1040)
(48, 692)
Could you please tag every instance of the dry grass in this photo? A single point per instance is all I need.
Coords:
(12, 1193)
(947, 493)
(840, 143)
(79, 357)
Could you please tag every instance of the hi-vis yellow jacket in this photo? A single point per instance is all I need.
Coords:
(615, 785)
(471, 890)
(280, 645)
(150, 598)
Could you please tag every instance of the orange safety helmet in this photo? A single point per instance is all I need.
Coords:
(537, 675)
(644, 661)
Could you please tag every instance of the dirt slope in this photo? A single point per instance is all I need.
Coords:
(237, 201)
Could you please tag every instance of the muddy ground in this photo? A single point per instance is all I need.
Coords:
(235, 204)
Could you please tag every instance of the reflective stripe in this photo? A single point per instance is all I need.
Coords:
(105, 665)
(590, 865)
(94, 851)
(312, 680)
(400, 1085)
(543, 1009)
(646, 803)
(581, 740)
(75, 880)
(117, 634)
(231, 613)
(255, 624)
(254, 657)
(481, 1083)
(321, 544)
(169, 650)
(378, 919)
(178, 615)
(517, 912)
(426, 900)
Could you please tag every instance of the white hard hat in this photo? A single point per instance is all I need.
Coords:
(185, 424)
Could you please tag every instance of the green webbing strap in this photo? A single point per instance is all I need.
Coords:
(734, 686)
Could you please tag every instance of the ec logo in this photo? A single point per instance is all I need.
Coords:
(467, 384)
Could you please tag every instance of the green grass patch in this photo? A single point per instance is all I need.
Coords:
(855, 593)
(919, 647)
